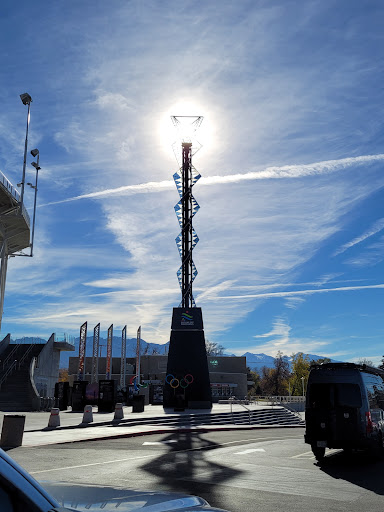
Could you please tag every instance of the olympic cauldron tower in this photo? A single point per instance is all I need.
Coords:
(187, 382)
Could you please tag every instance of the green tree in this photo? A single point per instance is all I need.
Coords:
(300, 370)
(63, 375)
(255, 378)
(274, 381)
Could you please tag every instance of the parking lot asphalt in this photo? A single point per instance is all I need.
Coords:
(73, 429)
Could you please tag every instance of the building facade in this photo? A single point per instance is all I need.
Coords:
(228, 375)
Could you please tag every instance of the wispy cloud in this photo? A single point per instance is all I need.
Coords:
(280, 329)
(283, 172)
(376, 228)
(301, 292)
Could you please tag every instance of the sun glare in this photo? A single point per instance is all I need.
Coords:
(187, 112)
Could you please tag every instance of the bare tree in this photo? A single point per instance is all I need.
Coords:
(214, 349)
(281, 374)
(364, 360)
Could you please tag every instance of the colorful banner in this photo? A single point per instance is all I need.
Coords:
(138, 355)
(82, 343)
(123, 364)
(109, 354)
(95, 354)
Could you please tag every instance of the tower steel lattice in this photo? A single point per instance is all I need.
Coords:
(185, 210)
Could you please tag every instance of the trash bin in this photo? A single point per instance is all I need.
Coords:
(138, 403)
(13, 430)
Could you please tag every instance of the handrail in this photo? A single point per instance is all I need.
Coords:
(7, 373)
(25, 355)
(10, 355)
(290, 409)
(239, 402)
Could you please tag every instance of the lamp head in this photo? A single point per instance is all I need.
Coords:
(26, 98)
(187, 126)
(36, 166)
(34, 152)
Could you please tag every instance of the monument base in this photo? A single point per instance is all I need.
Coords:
(187, 379)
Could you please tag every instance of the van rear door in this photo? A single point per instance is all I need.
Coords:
(333, 413)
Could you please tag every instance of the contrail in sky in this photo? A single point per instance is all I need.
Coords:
(376, 228)
(286, 171)
(302, 292)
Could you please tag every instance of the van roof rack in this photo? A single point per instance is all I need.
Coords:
(356, 366)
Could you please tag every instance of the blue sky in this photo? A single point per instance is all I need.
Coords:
(291, 223)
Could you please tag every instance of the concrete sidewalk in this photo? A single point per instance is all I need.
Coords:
(37, 433)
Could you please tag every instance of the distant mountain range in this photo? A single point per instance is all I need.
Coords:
(257, 361)
(146, 348)
(254, 361)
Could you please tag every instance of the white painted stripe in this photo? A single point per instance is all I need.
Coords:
(251, 450)
(305, 455)
(153, 443)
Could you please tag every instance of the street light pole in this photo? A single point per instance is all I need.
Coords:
(302, 382)
(34, 152)
(27, 100)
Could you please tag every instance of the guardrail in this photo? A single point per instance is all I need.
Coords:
(9, 187)
(277, 399)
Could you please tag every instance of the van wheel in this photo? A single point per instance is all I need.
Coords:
(318, 452)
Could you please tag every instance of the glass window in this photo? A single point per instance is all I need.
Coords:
(328, 396)
(5, 501)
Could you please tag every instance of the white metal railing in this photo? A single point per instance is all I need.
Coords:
(274, 399)
(67, 338)
(7, 185)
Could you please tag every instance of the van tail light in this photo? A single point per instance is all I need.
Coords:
(369, 425)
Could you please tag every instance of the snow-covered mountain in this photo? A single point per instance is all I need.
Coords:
(257, 361)
(254, 361)
(146, 348)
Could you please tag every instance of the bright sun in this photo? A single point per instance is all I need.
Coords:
(168, 133)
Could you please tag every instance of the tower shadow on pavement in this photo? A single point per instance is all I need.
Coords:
(186, 467)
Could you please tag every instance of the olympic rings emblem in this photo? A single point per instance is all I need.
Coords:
(183, 382)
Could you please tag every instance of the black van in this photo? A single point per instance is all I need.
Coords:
(345, 408)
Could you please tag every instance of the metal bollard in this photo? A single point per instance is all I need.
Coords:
(88, 414)
(13, 430)
(119, 413)
(54, 419)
